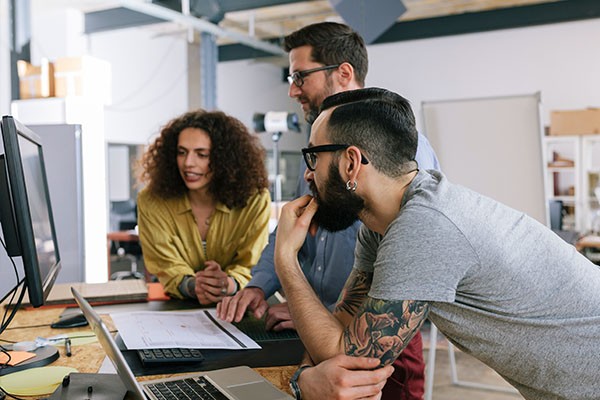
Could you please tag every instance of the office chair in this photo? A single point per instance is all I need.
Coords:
(123, 216)
(453, 370)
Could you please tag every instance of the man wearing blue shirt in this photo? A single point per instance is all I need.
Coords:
(326, 58)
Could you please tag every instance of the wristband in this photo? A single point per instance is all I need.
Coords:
(294, 382)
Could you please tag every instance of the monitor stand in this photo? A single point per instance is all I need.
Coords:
(43, 356)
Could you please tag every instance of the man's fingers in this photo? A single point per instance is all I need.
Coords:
(306, 214)
(364, 392)
(237, 309)
(222, 308)
(300, 202)
(226, 307)
(260, 310)
(240, 303)
(282, 325)
(376, 377)
(271, 320)
(357, 362)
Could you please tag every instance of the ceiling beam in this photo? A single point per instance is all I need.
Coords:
(116, 18)
(121, 17)
(200, 25)
(483, 21)
(136, 13)
(229, 5)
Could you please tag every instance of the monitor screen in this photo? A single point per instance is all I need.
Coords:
(26, 217)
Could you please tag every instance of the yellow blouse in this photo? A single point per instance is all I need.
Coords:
(172, 246)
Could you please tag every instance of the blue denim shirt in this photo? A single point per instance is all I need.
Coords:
(326, 258)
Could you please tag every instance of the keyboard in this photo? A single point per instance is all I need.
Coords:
(153, 357)
(191, 388)
(255, 329)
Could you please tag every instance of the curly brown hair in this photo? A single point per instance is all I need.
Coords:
(237, 159)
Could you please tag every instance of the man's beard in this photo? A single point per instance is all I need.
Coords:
(314, 106)
(338, 206)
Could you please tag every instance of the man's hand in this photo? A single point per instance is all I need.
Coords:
(232, 309)
(344, 377)
(212, 284)
(294, 223)
(279, 318)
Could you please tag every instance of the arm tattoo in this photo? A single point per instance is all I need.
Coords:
(382, 328)
(354, 292)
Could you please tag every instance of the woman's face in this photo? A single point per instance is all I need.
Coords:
(193, 158)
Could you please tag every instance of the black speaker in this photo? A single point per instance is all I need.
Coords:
(367, 17)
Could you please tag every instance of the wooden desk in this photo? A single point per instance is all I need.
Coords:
(88, 358)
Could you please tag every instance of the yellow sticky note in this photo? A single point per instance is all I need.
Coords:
(15, 357)
(34, 381)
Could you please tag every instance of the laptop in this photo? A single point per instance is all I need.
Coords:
(237, 383)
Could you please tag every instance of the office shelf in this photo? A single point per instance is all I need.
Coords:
(572, 173)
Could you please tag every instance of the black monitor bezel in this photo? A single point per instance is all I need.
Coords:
(38, 287)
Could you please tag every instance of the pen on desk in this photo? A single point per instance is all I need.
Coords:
(68, 347)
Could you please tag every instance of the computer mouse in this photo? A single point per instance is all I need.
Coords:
(72, 321)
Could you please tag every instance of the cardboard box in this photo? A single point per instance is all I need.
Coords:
(35, 81)
(83, 76)
(575, 122)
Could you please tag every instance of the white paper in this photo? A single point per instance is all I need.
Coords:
(183, 329)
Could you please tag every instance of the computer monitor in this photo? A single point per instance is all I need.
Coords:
(25, 209)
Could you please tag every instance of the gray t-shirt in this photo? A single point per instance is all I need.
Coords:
(501, 286)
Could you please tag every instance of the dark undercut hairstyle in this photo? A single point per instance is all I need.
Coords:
(332, 44)
(380, 123)
(236, 159)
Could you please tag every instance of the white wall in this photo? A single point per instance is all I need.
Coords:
(246, 87)
(55, 32)
(150, 82)
(149, 87)
(559, 60)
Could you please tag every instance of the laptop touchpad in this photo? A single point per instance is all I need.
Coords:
(255, 390)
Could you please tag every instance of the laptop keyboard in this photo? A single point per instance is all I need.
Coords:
(191, 388)
(151, 357)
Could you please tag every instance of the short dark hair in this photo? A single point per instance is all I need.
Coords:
(379, 122)
(237, 159)
(332, 43)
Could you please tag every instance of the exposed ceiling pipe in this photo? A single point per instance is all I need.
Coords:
(200, 25)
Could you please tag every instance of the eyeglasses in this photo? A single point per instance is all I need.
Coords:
(310, 157)
(297, 78)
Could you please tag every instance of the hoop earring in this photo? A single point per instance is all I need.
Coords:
(351, 187)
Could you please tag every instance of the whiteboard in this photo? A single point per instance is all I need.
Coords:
(493, 146)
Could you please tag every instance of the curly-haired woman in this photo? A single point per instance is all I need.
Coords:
(204, 214)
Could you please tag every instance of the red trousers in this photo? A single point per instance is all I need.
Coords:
(408, 380)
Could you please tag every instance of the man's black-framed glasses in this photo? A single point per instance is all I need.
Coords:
(297, 78)
(310, 157)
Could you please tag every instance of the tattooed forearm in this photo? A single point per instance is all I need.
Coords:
(354, 292)
(382, 329)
